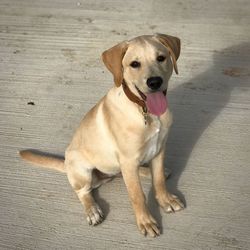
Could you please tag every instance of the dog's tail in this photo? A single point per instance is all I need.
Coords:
(43, 160)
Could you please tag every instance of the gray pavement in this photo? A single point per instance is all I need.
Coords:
(51, 75)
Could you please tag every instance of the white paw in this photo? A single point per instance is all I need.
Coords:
(94, 215)
(171, 203)
(147, 225)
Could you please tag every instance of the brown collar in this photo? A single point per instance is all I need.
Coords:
(133, 98)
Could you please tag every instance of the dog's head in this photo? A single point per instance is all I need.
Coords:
(145, 62)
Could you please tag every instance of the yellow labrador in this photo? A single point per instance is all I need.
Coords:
(126, 129)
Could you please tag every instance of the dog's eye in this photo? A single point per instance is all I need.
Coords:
(161, 58)
(135, 64)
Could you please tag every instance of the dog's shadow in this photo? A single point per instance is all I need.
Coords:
(195, 104)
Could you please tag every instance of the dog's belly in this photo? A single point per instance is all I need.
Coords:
(103, 157)
(109, 166)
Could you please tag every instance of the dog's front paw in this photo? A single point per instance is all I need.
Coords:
(94, 215)
(170, 203)
(147, 225)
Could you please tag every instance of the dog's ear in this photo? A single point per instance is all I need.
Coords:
(112, 59)
(174, 46)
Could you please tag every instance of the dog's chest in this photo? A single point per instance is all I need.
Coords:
(155, 137)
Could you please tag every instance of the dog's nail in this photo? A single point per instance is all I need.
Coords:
(169, 209)
(89, 221)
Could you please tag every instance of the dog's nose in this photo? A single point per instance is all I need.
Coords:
(155, 82)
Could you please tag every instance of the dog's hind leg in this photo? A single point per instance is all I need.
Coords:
(83, 179)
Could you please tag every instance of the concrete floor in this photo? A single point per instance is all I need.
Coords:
(51, 75)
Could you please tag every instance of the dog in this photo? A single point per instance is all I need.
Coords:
(126, 129)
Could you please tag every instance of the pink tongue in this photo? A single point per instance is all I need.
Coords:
(156, 103)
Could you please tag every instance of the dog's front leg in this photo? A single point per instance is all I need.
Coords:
(169, 202)
(145, 222)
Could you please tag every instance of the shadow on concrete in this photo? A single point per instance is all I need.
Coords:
(195, 104)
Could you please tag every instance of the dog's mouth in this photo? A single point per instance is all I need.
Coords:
(156, 102)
